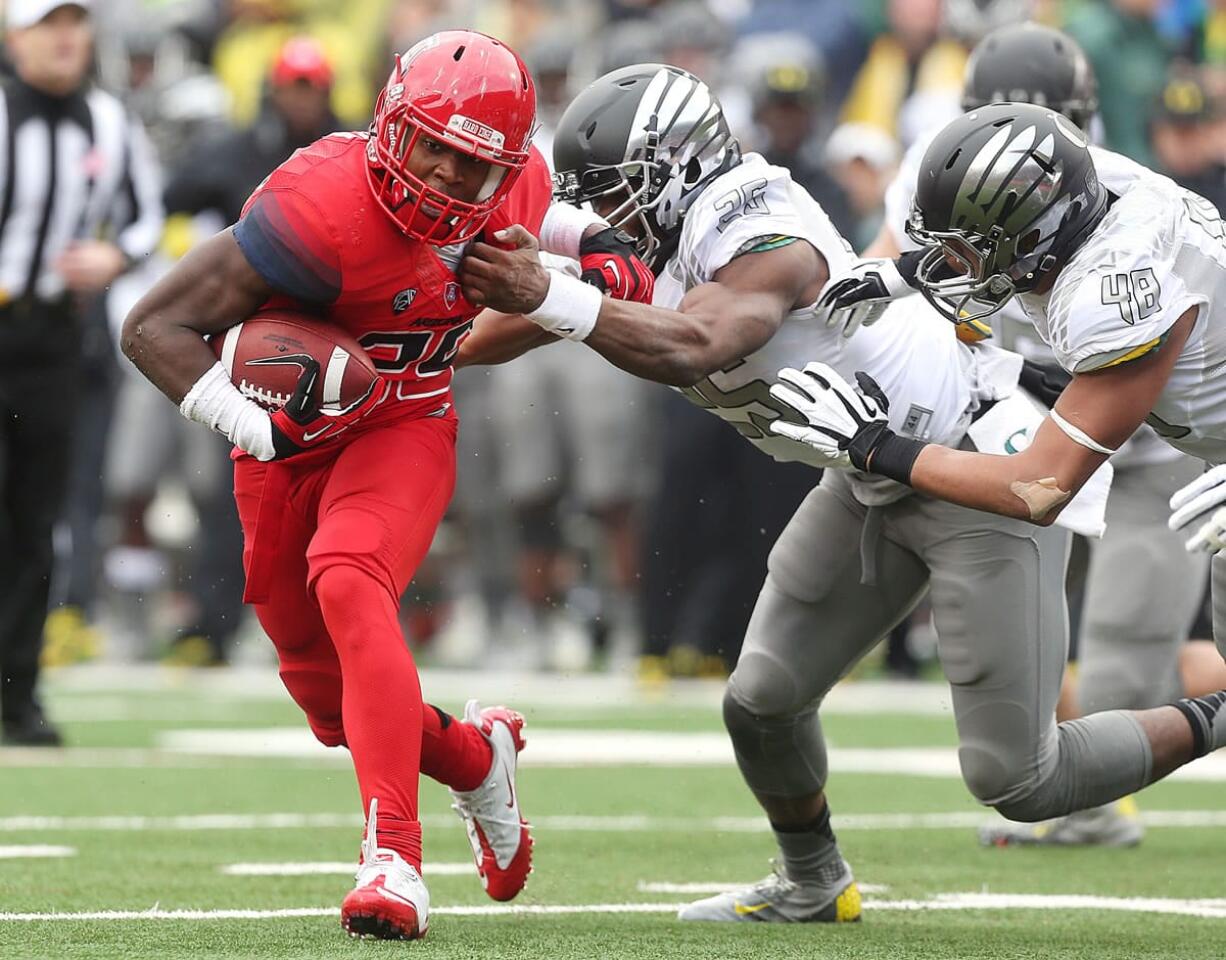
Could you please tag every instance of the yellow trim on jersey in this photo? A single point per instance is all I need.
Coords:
(1139, 352)
(772, 242)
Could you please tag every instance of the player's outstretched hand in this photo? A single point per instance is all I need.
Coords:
(303, 423)
(858, 296)
(610, 263)
(842, 423)
(1207, 492)
(507, 277)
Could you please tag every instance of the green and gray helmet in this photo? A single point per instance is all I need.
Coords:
(650, 135)
(1006, 194)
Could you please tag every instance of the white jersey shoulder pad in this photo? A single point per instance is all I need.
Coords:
(1121, 292)
(901, 191)
(751, 204)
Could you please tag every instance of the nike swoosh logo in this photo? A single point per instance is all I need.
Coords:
(288, 360)
(395, 897)
(510, 786)
(307, 437)
(744, 911)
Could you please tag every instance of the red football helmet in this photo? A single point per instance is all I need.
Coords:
(469, 92)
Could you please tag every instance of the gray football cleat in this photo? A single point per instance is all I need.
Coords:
(780, 900)
(1111, 825)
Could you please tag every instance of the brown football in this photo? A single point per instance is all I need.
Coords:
(264, 356)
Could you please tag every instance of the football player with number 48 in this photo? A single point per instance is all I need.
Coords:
(742, 255)
(1127, 289)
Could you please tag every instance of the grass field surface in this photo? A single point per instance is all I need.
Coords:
(127, 845)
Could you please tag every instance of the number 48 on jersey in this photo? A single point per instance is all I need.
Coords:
(1136, 294)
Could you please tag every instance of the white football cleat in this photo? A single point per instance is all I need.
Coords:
(389, 900)
(500, 837)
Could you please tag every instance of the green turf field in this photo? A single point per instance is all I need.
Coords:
(155, 829)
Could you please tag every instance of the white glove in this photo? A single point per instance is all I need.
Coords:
(840, 422)
(858, 296)
(1199, 497)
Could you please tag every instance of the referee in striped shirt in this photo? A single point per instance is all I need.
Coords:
(79, 205)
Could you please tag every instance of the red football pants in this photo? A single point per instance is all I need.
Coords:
(332, 539)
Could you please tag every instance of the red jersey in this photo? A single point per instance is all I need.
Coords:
(313, 231)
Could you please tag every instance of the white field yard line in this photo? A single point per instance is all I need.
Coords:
(453, 687)
(13, 758)
(329, 868)
(628, 823)
(1208, 909)
(560, 747)
(660, 886)
(36, 852)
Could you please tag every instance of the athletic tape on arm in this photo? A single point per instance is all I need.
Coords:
(563, 228)
(1077, 435)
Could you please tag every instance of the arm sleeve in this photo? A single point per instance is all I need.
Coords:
(289, 243)
(141, 193)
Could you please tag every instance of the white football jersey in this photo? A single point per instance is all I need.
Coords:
(911, 352)
(1159, 251)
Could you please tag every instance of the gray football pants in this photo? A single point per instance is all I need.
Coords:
(997, 593)
(1218, 587)
(1142, 592)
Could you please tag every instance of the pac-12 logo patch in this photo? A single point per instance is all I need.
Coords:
(451, 293)
(403, 300)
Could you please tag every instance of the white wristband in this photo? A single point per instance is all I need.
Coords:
(214, 401)
(563, 228)
(570, 307)
(1077, 435)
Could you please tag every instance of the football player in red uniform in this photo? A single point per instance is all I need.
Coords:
(338, 508)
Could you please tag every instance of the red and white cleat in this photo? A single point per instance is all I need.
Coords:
(389, 900)
(500, 838)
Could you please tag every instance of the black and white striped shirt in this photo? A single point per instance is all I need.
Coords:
(71, 168)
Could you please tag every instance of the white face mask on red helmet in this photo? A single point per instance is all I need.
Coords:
(470, 93)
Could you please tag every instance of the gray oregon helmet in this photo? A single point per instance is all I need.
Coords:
(1006, 194)
(1031, 63)
(651, 132)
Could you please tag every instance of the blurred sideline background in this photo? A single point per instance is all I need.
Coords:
(578, 539)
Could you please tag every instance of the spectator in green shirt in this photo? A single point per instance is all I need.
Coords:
(1130, 58)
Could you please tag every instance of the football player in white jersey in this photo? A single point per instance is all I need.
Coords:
(741, 254)
(1129, 291)
(1142, 589)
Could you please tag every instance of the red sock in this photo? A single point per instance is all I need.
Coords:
(403, 836)
(453, 753)
(381, 703)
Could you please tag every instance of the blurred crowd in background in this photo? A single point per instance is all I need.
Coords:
(599, 522)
